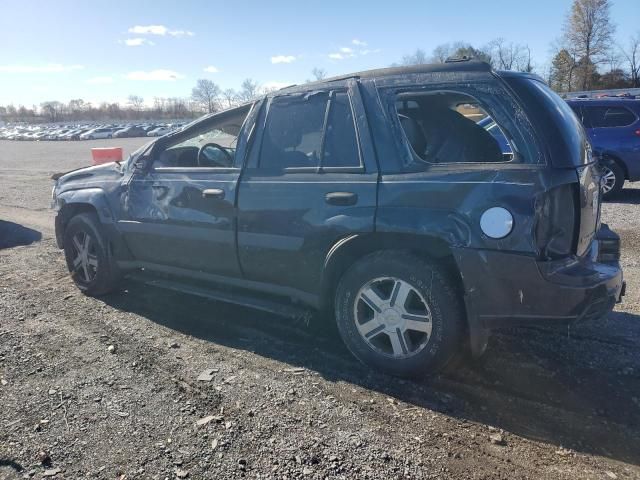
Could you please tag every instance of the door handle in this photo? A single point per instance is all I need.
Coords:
(216, 193)
(341, 198)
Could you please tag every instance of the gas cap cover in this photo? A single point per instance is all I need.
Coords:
(496, 222)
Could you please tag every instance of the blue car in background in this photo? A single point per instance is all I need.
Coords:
(613, 127)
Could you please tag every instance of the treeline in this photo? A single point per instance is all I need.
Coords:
(79, 110)
(206, 97)
(586, 56)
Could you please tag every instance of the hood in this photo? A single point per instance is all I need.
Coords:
(105, 172)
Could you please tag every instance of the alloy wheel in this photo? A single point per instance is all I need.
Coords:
(85, 259)
(608, 179)
(393, 317)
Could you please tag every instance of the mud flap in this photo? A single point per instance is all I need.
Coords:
(478, 335)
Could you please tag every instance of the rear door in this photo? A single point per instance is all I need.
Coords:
(310, 181)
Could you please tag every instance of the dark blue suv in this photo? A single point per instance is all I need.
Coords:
(613, 128)
(375, 196)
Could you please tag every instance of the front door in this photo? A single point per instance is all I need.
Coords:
(180, 208)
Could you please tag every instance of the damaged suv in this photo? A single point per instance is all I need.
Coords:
(422, 205)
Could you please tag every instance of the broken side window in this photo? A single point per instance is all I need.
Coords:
(451, 127)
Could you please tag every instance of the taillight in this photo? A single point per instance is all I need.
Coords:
(637, 132)
(557, 222)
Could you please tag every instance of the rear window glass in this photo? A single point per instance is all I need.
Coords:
(609, 116)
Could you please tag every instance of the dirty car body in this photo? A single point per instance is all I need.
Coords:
(376, 196)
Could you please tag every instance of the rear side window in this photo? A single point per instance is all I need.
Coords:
(609, 117)
(451, 127)
(314, 130)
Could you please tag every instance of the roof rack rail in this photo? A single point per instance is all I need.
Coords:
(463, 58)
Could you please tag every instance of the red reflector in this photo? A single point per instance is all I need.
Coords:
(637, 132)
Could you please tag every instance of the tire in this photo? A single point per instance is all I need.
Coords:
(613, 176)
(97, 273)
(381, 286)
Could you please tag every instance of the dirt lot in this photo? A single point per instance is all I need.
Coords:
(285, 401)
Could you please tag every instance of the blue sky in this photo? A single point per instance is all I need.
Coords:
(107, 50)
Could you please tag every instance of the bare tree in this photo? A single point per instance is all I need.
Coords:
(318, 73)
(588, 33)
(230, 97)
(441, 53)
(206, 93)
(632, 56)
(136, 103)
(416, 58)
(249, 90)
(509, 56)
(51, 109)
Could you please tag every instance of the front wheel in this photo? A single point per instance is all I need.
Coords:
(612, 177)
(89, 260)
(400, 314)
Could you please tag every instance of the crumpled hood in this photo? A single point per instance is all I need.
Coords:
(97, 173)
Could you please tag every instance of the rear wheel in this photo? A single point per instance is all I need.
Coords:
(399, 313)
(88, 258)
(612, 177)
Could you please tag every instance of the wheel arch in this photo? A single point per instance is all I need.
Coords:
(351, 248)
(91, 200)
(619, 162)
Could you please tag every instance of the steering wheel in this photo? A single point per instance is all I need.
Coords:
(225, 152)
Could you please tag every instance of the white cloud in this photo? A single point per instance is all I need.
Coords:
(154, 75)
(181, 33)
(159, 30)
(211, 69)
(136, 42)
(347, 52)
(149, 30)
(283, 59)
(48, 68)
(100, 80)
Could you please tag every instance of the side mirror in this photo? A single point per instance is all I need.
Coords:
(141, 164)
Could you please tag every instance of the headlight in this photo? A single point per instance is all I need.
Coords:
(54, 200)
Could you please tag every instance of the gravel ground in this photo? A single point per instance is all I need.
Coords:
(108, 388)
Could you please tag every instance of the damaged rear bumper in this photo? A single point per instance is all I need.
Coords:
(507, 289)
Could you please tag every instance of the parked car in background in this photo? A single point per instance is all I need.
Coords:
(97, 133)
(613, 128)
(158, 131)
(370, 196)
(131, 131)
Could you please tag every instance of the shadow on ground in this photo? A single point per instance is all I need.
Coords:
(630, 196)
(14, 235)
(577, 388)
